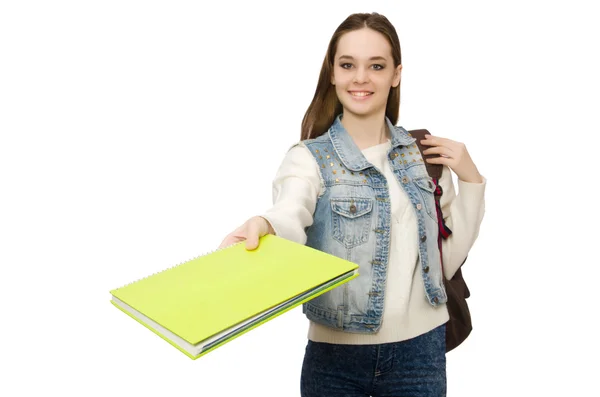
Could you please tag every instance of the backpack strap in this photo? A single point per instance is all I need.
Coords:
(459, 325)
(435, 172)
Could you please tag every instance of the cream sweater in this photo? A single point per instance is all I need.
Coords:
(407, 313)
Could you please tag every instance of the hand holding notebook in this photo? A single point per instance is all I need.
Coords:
(210, 300)
(251, 231)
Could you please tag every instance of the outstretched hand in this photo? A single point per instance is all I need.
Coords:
(251, 231)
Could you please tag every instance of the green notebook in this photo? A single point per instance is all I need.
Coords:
(210, 300)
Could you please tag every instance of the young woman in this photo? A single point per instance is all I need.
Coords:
(356, 186)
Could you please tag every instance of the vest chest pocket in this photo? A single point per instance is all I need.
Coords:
(351, 220)
(426, 188)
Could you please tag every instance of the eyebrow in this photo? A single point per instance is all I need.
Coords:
(376, 58)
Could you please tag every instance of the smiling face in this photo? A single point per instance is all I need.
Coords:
(364, 72)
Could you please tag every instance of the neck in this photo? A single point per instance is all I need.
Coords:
(366, 131)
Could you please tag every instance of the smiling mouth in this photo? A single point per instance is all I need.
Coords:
(360, 93)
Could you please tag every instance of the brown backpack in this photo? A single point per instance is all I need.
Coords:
(459, 326)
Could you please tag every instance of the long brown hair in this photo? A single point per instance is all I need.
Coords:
(325, 105)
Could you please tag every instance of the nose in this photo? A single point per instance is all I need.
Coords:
(361, 75)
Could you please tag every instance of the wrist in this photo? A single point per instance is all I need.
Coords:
(476, 178)
(269, 228)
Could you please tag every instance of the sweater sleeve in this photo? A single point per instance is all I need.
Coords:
(296, 187)
(463, 214)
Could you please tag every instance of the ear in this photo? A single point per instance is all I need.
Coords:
(397, 73)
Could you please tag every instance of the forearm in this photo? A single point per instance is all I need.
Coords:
(463, 216)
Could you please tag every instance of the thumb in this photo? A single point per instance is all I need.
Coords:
(252, 236)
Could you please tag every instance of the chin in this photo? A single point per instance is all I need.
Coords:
(361, 111)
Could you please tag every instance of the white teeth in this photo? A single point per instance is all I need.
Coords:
(360, 93)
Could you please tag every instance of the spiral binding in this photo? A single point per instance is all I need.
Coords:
(180, 263)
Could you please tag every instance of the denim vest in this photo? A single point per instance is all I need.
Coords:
(352, 220)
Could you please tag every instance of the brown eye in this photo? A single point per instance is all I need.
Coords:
(346, 65)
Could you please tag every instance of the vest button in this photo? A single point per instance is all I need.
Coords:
(436, 300)
(423, 238)
(404, 179)
(426, 270)
(352, 209)
(419, 206)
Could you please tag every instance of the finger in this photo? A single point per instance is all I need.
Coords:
(439, 160)
(229, 240)
(441, 150)
(436, 140)
(427, 141)
(224, 242)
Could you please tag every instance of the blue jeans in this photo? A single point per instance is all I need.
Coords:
(410, 368)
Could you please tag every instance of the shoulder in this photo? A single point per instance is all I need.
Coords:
(298, 159)
(299, 163)
(321, 140)
(310, 147)
(318, 146)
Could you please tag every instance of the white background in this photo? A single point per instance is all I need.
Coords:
(136, 134)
